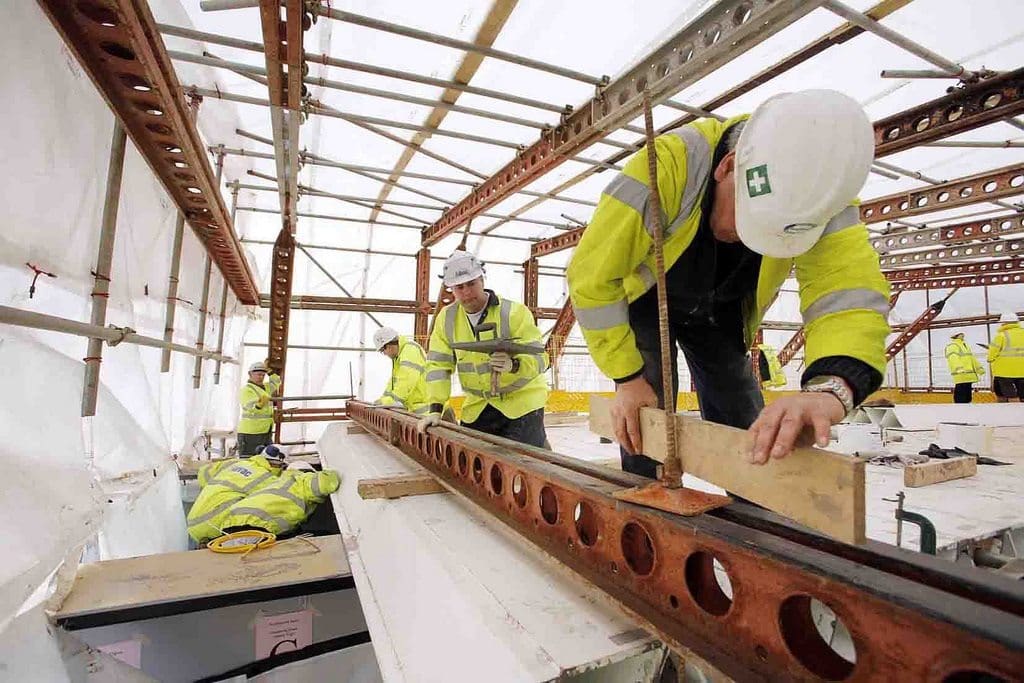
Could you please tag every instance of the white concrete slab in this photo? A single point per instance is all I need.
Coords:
(926, 416)
(451, 594)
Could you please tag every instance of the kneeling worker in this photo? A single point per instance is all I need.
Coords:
(407, 387)
(280, 506)
(505, 393)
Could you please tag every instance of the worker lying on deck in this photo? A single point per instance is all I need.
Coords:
(1006, 354)
(257, 411)
(226, 482)
(964, 367)
(516, 409)
(744, 201)
(407, 387)
(281, 505)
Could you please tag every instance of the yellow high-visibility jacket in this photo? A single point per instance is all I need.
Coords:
(408, 385)
(519, 392)
(257, 411)
(775, 378)
(1006, 352)
(224, 483)
(963, 366)
(843, 297)
(282, 506)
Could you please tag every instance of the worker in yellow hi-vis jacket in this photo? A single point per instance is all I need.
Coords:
(1006, 355)
(745, 202)
(964, 367)
(407, 387)
(257, 411)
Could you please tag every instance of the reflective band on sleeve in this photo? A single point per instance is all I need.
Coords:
(698, 170)
(438, 357)
(603, 317)
(314, 485)
(439, 375)
(847, 300)
(449, 324)
(207, 516)
(629, 191)
(409, 364)
(847, 218)
(280, 523)
(645, 274)
(505, 313)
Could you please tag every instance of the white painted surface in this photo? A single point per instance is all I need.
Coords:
(971, 438)
(927, 416)
(451, 594)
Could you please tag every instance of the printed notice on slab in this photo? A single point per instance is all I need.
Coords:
(283, 633)
(128, 651)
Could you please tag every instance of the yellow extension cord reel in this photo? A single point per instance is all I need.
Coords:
(242, 541)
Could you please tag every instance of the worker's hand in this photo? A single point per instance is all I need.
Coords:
(262, 401)
(427, 421)
(630, 397)
(501, 362)
(799, 420)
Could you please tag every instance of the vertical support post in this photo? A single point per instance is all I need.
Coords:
(172, 291)
(928, 339)
(204, 299)
(531, 284)
(906, 371)
(224, 289)
(988, 326)
(420, 331)
(104, 257)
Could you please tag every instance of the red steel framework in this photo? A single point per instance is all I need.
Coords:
(118, 45)
(989, 228)
(909, 617)
(915, 328)
(531, 283)
(420, 329)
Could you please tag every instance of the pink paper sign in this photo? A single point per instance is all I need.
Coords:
(128, 651)
(283, 633)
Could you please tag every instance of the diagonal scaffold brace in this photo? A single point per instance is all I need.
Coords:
(668, 493)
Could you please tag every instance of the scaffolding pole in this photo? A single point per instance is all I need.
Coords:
(172, 291)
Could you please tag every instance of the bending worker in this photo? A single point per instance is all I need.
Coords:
(964, 367)
(407, 387)
(226, 482)
(257, 411)
(280, 506)
(1006, 355)
(744, 201)
(516, 410)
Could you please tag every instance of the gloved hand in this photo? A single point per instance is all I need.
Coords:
(262, 401)
(501, 362)
(427, 421)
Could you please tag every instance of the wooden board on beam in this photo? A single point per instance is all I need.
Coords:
(399, 486)
(817, 488)
(936, 471)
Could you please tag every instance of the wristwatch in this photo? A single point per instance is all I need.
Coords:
(832, 385)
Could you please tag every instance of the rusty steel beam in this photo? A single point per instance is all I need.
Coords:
(907, 620)
(962, 252)
(566, 240)
(723, 31)
(1010, 265)
(920, 324)
(420, 329)
(348, 303)
(987, 229)
(531, 283)
(1002, 182)
(560, 332)
(964, 321)
(119, 46)
(792, 347)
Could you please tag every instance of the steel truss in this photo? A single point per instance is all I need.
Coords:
(910, 617)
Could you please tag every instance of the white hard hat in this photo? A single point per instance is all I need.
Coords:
(258, 367)
(461, 267)
(800, 160)
(384, 336)
(1009, 317)
(301, 465)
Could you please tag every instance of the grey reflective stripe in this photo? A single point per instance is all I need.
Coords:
(257, 481)
(539, 359)
(847, 218)
(281, 523)
(476, 392)
(314, 484)
(436, 375)
(847, 300)
(438, 357)
(698, 170)
(508, 389)
(283, 492)
(535, 345)
(644, 273)
(394, 396)
(422, 410)
(630, 192)
(603, 317)
(409, 364)
(466, 367)
(504, 327)
(1009, 350)
(478, 368)
(207, 516)
(449, 324)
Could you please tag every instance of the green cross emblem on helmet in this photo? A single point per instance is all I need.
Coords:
(757, 181)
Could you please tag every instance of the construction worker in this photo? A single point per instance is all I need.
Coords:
(226, 482)
(1006, 356)
(281, 506)
(505, 393)
(769, 367)
(964, 367)
(744, 201)
(257, 411)
(407, 387)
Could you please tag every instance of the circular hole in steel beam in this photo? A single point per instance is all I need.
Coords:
(497, 479)
(709, 583)
(478, 469)
(448, 456)
(992, 100)
(463, 463)
(585, 520)
(817, 638)
(637, 548)
(742, 13)
(101, 15)
(118, 50)
(954, 113)
(136, 83)
(548, 505)
(519, 490)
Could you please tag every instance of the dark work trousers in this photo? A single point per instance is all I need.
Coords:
(249, 443)
(727, 390)
(962, 392)
(528, 429)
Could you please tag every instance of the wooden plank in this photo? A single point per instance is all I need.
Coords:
(197, 574)
(398, 486)
(817, 488)
(936, 471)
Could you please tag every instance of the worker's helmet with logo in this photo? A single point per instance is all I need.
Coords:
(273, 453)
(800, 160)
(1009, 317)
(258, 367)
(384, 336)
(461, 267)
